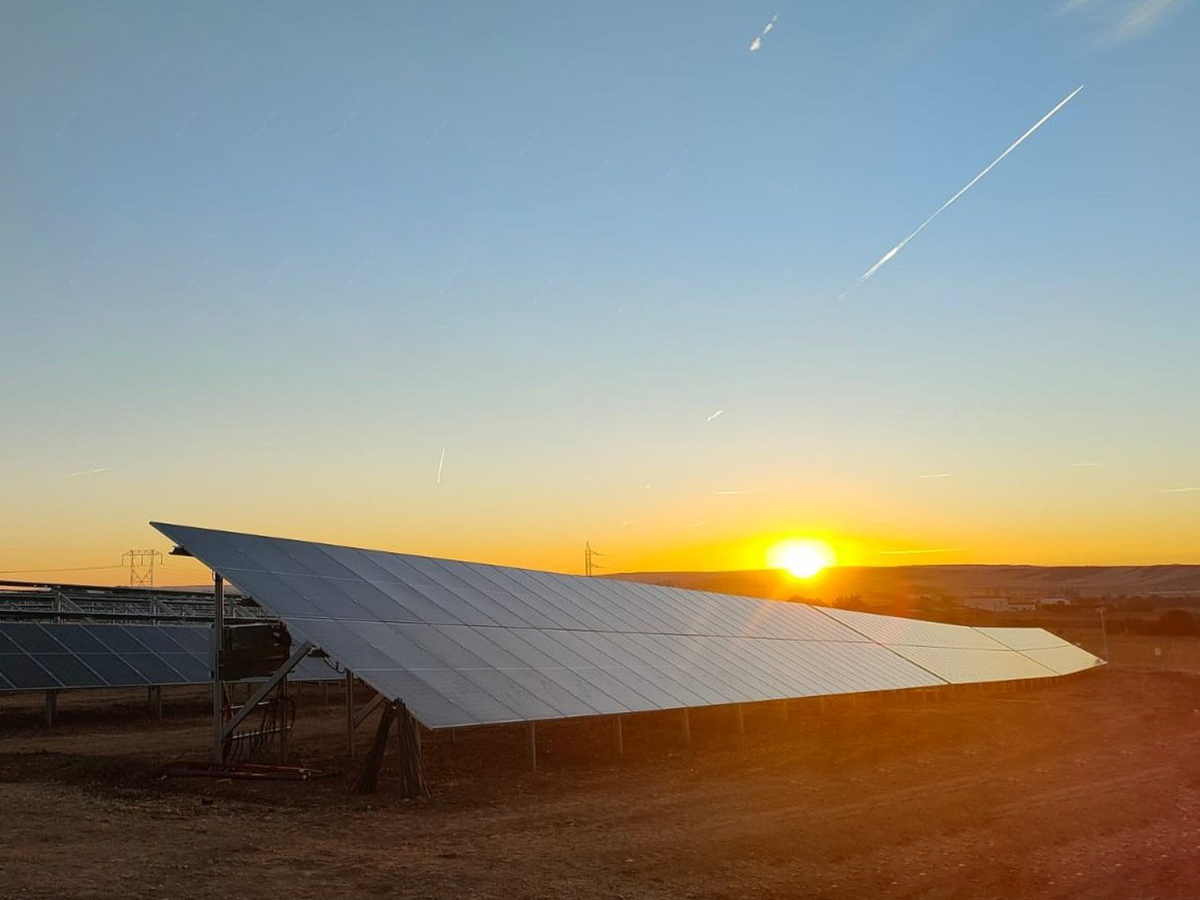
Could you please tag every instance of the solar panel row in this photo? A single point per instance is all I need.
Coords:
(51, 656)
(464, 643)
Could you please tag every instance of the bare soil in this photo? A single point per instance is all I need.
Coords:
(1084, 787)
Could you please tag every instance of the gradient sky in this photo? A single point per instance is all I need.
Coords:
(261, 264)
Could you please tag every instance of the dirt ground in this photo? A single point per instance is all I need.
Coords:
(1084, 787)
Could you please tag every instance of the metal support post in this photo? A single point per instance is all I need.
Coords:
(531, 734)
(51, 708)
(284, 723)
(349, 713)
(218, 749)
(155, 701)
(741, 719)
(619, 735)
(687, 728)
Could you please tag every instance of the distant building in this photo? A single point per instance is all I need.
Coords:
(1000, 604)
(1057, 601)
(991, 604)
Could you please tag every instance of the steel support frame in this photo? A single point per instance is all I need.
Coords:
(372, 705)
(226, 729)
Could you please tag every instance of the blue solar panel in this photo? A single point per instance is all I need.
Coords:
(32, 638)
(156, 638)
(118, 639)
(70, 671)
(24, 674)
(193, 669)
(78, 639)
(192, 639)
(114, 672)
(52, 655)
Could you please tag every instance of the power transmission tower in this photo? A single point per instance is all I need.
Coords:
(141, 566)
(589, 563)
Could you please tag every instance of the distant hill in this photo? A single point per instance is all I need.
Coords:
(887, 584)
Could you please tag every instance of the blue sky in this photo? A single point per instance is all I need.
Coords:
(261, 266)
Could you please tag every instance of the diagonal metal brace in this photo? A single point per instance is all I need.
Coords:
(372, 705)
(269, 685)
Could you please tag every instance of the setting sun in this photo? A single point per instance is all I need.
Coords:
(803, 558)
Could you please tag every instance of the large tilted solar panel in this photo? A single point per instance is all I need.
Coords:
(465, 643)
(53, 656)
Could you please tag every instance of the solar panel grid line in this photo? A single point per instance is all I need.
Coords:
(614, 617)
(665, 690)
(738, 661)
(505, 609)
(512, 584)
(798, 676)
(441, 643)
(532, 611)
(698, 618)
(1064, 660)
(681, 687)
(579, 654)
(713, 683)
(1023, 638)
(452, 589)
(889, 630)
(629, 614)
(551, 649)
(30, 637)
(23, 673)
(966, 665)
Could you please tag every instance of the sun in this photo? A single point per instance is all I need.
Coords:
(802, 557)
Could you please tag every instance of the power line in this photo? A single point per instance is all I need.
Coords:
(74, 569)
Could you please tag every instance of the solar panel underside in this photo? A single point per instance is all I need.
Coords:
(466, 643)
(53, 656)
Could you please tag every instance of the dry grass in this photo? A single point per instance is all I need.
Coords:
(1084, 787)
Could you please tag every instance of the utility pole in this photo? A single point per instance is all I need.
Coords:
(141, 566)
(589, 563)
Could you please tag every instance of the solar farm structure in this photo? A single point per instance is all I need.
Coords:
(449, 644)
(38, 600)
(56, 638)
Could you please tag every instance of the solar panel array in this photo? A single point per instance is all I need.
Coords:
(466, 643)
(53, 656)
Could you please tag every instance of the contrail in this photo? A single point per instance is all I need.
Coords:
(441, 462)
(1183, 490)
(970, 184)
(938, 475)
(747, 491)
(758, 40)
(714, 415)
(86, 472)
